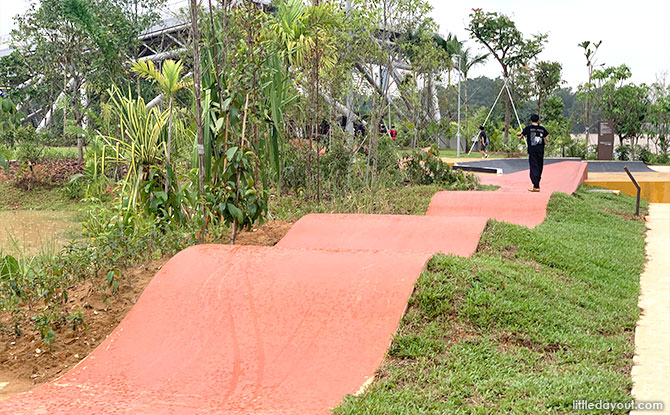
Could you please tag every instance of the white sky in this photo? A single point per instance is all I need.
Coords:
(638, 34)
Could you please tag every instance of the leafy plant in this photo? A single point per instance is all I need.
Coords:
(426, 167)
(170, 81)
(140, 146)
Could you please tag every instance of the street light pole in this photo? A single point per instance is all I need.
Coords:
(458, 133)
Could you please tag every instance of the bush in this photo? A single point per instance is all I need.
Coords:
(426, 167)
(622, 152)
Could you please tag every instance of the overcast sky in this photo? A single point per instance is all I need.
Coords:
(638, 35)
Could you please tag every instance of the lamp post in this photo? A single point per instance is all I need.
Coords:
(458, 132)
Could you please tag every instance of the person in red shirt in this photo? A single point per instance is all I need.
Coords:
(393, 132)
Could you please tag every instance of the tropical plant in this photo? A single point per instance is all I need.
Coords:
(140, 147)
(170, 81)
(469, 60)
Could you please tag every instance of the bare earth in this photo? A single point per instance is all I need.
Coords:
(25, 362)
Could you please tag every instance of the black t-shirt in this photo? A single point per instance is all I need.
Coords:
(535, 135)
(483, 138)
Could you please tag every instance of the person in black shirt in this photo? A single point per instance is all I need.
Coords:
(536, 137)
(483, 142)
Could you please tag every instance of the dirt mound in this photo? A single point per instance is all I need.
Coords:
(267, 235)
(47, 173)
(26, 362)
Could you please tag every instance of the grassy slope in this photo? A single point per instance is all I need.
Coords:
(410, 200)
(40, 198)
(534, 320)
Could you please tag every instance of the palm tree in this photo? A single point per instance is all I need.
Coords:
(169, 80)
(469, 61)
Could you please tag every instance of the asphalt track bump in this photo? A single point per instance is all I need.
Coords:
(595, 166)
(281, 330)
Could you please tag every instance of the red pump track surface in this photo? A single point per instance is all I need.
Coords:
(289, 329)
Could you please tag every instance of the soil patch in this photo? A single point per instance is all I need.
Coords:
(47, 172)
(267, 235)
(29, 232)
(25, 362)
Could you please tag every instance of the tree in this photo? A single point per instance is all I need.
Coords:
(197, 79)
(499, 34)
(305, 37)
(469, 60)
(627, 105)
(590, 50)
(547, 78)
(658, 128)
(75, 50)
(557, 125)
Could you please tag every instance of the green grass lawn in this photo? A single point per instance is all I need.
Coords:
(534, 320)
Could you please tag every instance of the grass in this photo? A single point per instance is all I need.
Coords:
(58, 153)
(39, 198)
(409, 200)
(534, 320)
(61, 153)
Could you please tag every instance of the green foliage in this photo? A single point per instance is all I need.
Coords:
(658, 117)
(298, 28)
(558, 125)
(499, 34)
(45, 323)
(547, 78)
(140, 146)
(93, 182)
(426, 167)
(169, 79)
(10, 121)
(237, 200)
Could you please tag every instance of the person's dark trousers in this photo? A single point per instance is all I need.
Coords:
(536, 162)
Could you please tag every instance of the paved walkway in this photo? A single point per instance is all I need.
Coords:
(651, 370)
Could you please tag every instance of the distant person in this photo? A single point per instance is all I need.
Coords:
(536, 137)
(483, 142)
(360, 129)
(393, 133)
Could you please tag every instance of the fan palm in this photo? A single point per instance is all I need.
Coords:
(468, 61)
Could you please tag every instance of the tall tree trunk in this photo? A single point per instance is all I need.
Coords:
(508, 115)
(465, 97)
(587, 121)
(197, 76)
(76, 114)
(508, 104)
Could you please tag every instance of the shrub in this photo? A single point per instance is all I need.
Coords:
(426, 167)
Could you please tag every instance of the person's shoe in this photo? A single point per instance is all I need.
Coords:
(534, 189)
